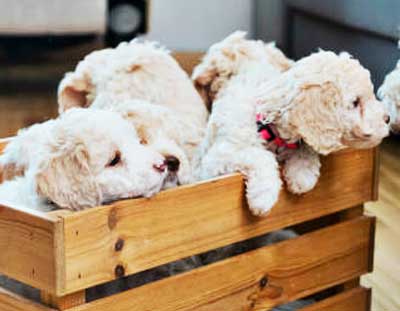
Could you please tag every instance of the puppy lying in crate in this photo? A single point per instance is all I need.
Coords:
(76, 162)
(60, 163)
(264, 113)
(147, 87)
(133, 70)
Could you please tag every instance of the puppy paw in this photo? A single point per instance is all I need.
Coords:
(261, 200)
(260, 206)
(301, 181)
(302, 170)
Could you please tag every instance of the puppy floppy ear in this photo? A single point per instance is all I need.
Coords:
(203, 77)
(218, 65)
(66, 179)
(316, 104)
(73, 91)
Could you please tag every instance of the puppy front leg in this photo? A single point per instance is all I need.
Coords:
(301, 171)
(259, 167)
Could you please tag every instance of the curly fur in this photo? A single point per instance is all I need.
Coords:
(324, 100)
(70, 164)
(133, 70)
(231, 56)
(389, 93)
(143, 84)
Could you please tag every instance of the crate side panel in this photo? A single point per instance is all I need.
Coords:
(197, 218)
(13, 302)
(357, 299)
(27, 248)
(260, 279)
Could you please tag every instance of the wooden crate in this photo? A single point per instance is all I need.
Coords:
(63, 253)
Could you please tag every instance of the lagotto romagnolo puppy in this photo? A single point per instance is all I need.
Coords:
(133, 70)
(263, 115)
(84, 158)
(124, 79)
(389, 93)
(143, 83)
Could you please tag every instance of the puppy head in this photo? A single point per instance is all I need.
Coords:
(95, 157)
(389, 93)
(160, 129)
(224, 60)
(335, 106)
(128, 71)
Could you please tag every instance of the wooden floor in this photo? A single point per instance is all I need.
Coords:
(20, 110)
(385, 280)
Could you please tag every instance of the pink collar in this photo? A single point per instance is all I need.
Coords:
(268, 132)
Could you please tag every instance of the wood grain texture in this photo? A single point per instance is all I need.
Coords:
(357, 299)
(13, 302)
(64, 302)
(385, 280)
(291, 269)
(27, 247)
(189, 220)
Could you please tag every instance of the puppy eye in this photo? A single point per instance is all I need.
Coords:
(115, 160)
(357, 102)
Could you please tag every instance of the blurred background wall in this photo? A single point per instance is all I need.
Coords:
(369, 30)
(195, 25)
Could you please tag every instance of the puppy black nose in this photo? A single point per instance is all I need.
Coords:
(386, 118)
(172, 163)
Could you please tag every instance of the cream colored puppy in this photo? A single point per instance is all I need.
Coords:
(389, 93)
(134, 70)
(235, 56)
(161, 129)
(145, 85)
(262, 116)
(83, 159)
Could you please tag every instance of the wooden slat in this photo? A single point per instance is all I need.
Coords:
(375, 177)
(64, 302)
(27, 242)
(292, 269)
(386, 277)
(189, 220)
(13, 302)
(357, 299)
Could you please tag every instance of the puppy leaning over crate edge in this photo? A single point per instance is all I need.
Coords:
(265, 115)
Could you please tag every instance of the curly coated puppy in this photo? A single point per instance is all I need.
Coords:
(133, 70)
(389, 93)
(233, 56)
(79, 163)
(263, 115)
(146, 86)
